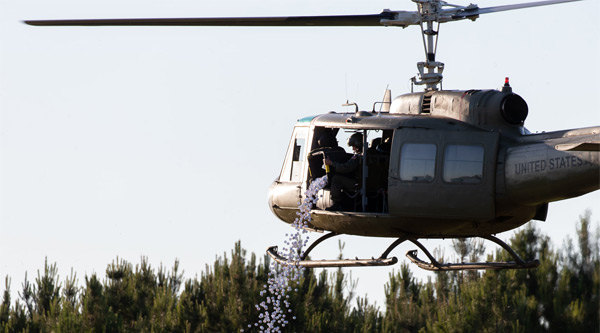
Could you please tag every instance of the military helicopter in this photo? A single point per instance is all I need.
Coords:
(425, 157)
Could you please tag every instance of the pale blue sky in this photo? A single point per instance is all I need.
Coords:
(162, 142)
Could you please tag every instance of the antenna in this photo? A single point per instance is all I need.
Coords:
(387, 100)
(346, 78)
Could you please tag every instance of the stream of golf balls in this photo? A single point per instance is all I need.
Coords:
(275, 310)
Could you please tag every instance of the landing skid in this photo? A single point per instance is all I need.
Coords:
(434, 265)
(383, 259)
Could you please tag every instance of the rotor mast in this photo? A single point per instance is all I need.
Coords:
(430, 71)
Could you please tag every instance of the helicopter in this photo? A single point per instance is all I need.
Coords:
(427, 156)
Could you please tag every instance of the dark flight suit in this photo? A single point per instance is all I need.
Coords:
(315, 160)
(345, 179)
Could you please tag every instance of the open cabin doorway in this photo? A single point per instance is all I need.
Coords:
(370, 190)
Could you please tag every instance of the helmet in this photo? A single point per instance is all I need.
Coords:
(374, 143)
(356, 141)
(327, 140)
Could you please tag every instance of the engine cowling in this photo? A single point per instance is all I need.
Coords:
(490, 109)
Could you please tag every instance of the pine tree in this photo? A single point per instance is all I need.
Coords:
(561, 294)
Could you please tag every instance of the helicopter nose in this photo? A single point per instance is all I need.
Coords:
(270, 200)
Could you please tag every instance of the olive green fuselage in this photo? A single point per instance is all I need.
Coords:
(457, 164)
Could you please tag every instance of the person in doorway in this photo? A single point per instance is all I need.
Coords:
(327, 146)
(347, 175)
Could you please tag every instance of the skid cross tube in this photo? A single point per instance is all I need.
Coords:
(317, 242)
(393, 246)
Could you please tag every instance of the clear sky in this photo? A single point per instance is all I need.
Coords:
(163, 141)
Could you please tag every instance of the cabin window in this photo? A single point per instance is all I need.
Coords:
(463, 164)
(417, 162)
(294, 162)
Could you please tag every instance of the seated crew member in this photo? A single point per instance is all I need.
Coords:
(327, 145)
(385, 146)
(346, 177)
(373, 146)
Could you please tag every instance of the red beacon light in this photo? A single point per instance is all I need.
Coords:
(506, 87)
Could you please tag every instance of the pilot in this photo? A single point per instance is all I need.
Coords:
(346, 176)
(327, 145)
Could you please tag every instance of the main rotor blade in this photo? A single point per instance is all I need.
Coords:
(284, 21)
(385, 18)
(477, 11)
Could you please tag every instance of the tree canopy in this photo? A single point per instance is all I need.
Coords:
(561, 294)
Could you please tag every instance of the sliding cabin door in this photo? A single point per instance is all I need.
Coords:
(443, 174)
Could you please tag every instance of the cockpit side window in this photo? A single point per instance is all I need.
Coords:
(417, 162)
(294, 161)
(297, 159)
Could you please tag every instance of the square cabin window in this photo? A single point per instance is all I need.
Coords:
(417, 162)
(463, 164)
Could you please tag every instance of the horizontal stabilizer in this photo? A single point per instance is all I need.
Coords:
(582, 146)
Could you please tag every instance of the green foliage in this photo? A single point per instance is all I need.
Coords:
(562, 294)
